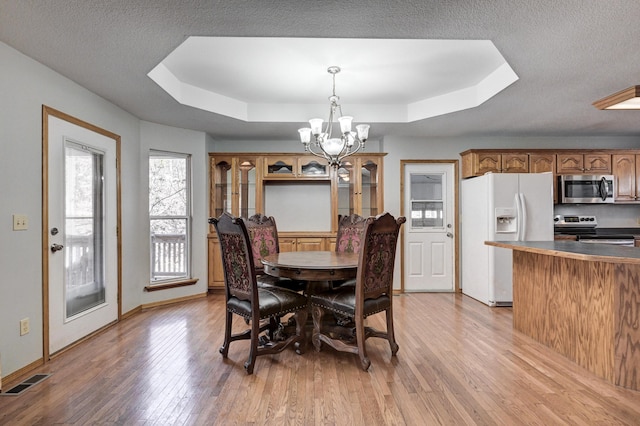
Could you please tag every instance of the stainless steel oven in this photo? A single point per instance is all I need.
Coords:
(587, 189)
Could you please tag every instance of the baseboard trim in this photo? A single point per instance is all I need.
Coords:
(172, 301)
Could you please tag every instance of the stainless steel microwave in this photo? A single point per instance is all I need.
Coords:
(583, 189)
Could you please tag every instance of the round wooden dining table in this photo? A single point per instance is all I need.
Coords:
(312, 266)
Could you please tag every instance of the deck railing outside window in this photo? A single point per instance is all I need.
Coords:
(168, 256)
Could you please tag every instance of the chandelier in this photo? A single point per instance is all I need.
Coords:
(334, 148)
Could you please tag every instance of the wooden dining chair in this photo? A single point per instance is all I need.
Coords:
(263, 234)
(350, 233)
(245, 298)
(372, 293)
(349, 240)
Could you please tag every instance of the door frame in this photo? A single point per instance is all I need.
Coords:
(51, 112)
(456, 218)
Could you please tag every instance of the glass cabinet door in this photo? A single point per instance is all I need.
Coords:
(313, 167)
(247, 187)
(346, 189)
(368, 188)
(223, 187)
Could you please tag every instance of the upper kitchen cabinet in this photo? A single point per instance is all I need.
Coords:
(626, 172)
(575, 163)
(234, 184)
(295, 167)
(479, 162)
(359, 186)
(541, 163)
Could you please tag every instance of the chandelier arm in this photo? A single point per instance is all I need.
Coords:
(322, 154)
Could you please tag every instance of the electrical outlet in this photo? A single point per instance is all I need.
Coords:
(20, 222)
(24, 326)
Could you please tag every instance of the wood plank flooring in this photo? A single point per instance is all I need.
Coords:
(459, 363)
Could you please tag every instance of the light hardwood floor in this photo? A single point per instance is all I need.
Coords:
(460, 362)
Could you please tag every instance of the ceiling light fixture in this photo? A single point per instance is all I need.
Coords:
(334, 149)
(624, 99)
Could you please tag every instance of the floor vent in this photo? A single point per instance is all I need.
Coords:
(18, 389)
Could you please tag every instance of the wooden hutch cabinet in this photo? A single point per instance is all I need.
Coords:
(233, 187)
(239, 183)
(359, 182)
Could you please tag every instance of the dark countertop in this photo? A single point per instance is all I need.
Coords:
(574, 250)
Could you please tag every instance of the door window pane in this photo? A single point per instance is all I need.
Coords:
(84, 229)
(427, 206)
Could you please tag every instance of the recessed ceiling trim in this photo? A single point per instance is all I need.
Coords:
(470, 97)
(625, 99)
(257, 79)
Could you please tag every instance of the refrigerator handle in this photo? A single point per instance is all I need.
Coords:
(521, 217)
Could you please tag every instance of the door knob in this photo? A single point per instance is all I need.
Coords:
(56, 247)
(449, 234)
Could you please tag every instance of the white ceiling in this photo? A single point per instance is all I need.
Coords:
(283, 79)
(566, 54)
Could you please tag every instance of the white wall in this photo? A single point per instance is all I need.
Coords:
(25, 86)
(165, 138)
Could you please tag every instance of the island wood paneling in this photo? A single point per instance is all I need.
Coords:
(627, 335)
(587, 310)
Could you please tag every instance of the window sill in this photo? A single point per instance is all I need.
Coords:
(173, 284)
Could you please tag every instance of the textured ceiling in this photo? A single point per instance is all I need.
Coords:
(566, 54)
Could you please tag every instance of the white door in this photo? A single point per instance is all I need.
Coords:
(429, 243)
(82, 232)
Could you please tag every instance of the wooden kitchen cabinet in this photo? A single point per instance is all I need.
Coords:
(589, 163)
(514, 163)
(479, 162)
(540, 163)
(626, 173)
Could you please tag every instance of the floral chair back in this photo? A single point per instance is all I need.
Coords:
(350, 233)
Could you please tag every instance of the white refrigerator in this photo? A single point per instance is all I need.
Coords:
(501, 207)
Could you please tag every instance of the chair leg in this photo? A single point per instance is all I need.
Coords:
(360, 341)
(390, 334)
(253, 351)
(301, 321)
(224, 349)
(316, 312)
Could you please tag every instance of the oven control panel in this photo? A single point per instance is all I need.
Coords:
(577, 221)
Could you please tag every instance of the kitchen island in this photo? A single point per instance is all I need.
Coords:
(582, 300)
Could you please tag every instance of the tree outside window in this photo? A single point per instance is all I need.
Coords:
(170, 216)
